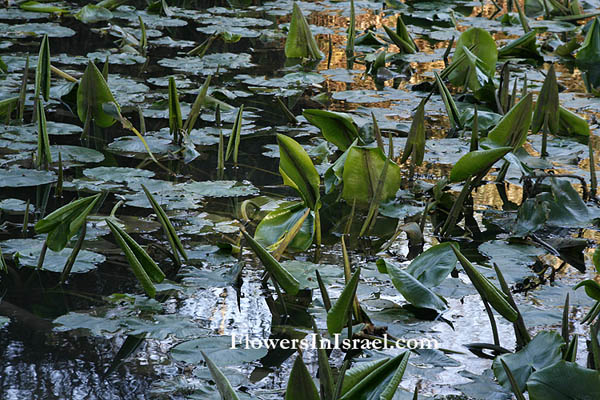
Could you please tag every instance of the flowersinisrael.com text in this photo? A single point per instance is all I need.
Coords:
(312, 341)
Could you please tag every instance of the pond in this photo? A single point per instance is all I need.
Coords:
(182, 181)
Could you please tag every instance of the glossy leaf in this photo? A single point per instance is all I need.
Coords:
(433, 266)
(92, 93)
(476, 162)
(415, 292)
(544, 350)
(336, 127)
(512, 128)
(482, 45)
(44, 157)
(547, 106)
(300, 384)
(415, 142)
(359, 372)
(175, 122)
(65, 222)
(337, 316)
(300, 42)
(42, 72)
(36, 6)
(142, 265)
(523, 47)
(564, 381)
(223, 385)
(404, 45)
(382, 383)
(176, 246)
(298, 171)
(286, 280)
(589, 52)
(592, 288)
(361, 173)
(451, 109)
(571, 124)
(494, 296)
(278, 222)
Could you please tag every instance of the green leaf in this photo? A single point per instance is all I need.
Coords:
(300, 384)
(589, 52)
(278, 222)
(337, 316)
(592, 288)
(564, 381)
(338, 128)
(142, 265)
(415, 292)
(482, 45)
(92, 93)
(44, 157)
(359, 372)
(223, 384)
(497, 299)
(476, 162)
(404, 45)
(93, 13)
(433, 266)
(523, 47)
(170, 233)
(571, 124)
(35, 6)
(415, 142)
(42, 72)
(298, 171)
(382, 383)
(361, 173)
(451, 109)
(512, 128)
(596, 259)
(7, 106)
(544, 349)
(234, 140)
(175, 122)
(300, 42)
(65, 222)
(286, 280)
(546, 108)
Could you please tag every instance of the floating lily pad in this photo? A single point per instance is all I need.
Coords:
(221, 188)
(218, 348)
(29, 252)
(75, 154)
(208, 64)
(21, 177)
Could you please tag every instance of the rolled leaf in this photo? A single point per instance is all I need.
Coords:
(512, 128)
(42, 72)
(135, 264)
(298, 171)
(300, 42)
(547, 106)
(382, 383)
(286, 280)
(415, 142)
(223, 385)
(486, 289)
(65, 222)
(523, 47)
(300, 384)
(165, 222)
(92, 93)
(44, 157)
(275, 225)
(449, 104)
(476, 162)
(337, 316)
(589, 52)
(175, 122)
